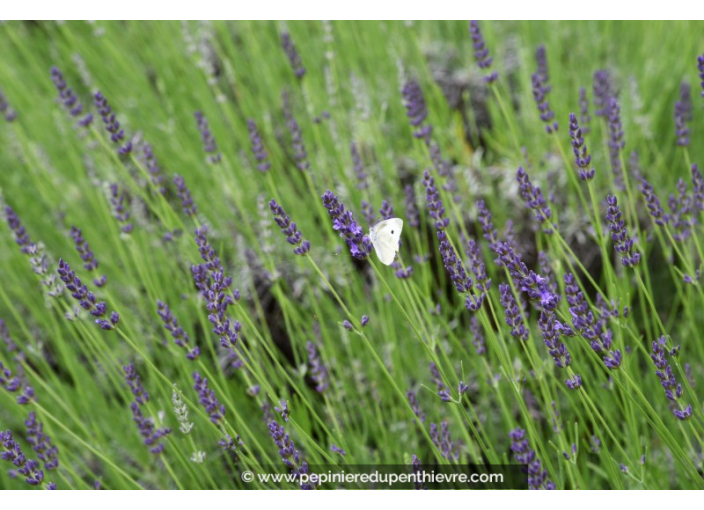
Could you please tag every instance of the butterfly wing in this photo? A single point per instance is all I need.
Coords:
(385, 237)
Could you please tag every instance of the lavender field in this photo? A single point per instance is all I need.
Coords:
(190, 292)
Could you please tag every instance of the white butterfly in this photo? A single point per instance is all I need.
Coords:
(385, 237)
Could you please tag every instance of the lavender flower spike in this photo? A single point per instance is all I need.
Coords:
(700, 68)
(584, 116)
(534, 199)
(358, 167)
(343, 222)
(623, 244)
(289, 455)
(581, 154)
(537, 476)
(289, 229)
(153, 168)
(180, 337)
(117, 134)
(616, 142)
(481, 52)
(41, 443)
(412, 215)
(69, 98)
(209, 144)
(319, 372)
(683, 114)
(258, 149)
(673, 390)
(416, 109)
(698, 187)
(90, 263)
(292, 53)
(119, 209)
(21, 235)
(12, 452)
(540, 92)
(602, 93)
(184, 194)
(207, 398)
(513, 316)
(455, 269)
(437, 210)
(85, 298)
(653, 203)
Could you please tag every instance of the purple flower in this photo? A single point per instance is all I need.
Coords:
(673, 390)
(367, 212)
(365, 320)
(386, 210)
(484, 217)
(207, 398)
(584, 116)
(14, 384)
(184, 194)
(119, 209)
(69, 99)
(283, 410)
(418, 474)
(437, 210)
(117, 134)
(534, 199)
(513, 316)
(698, 188)
(343, 222)
(483, 282)
(477, 337)
(293, 57)
(540, 92)
(602, 93)
(5, 108)
(151, 435)
(90, 263)
(683, 114)
(653, 203)
(21, 235)
(616, 141)
(85, 298)
(550, 328)
(135, 384)
(209, 144)
(581, 155)
(416, 109)
(681, 216)
(412, 215)
(299, 147)
(12, 452)
(574, 382)
(153, 168)
(413, 401)
(533, 284)
(537, 476)
(258, 149)
(481, 52)
(289, 229)
(337, 449)
(289, 455)
(347, 325)
(441, 439)
(179, 335)
(455, 269)
(318, 370)
(541, 59)
(358, 167)
(622, 243)
(700, 68)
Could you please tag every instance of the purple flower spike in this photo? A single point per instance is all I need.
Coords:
(151, 435)
(412, 215)
(700, 68)
(365, 320)
(481, 52)
(623, 244)
(358, 167)
(537, 476)
(653, 203)
(153, 168)
(292, 53)
(85, 298)
(347, 325)
(683, 114)
(437, 210)
(581, 155)
(484, 217)
(5, 108)
(537, 287)
(698, 187)
(69, 99)
(117, 134)
(584, 117)
(299, 146)
(673, 390)
(474, 255)
(90, 263)
(574, 382)
(455, 269)
(616, 141)
(602, 93)
(540, 92)
(258, 149)
(416, 109)
(21, 235)
(319, 372)
(10, 451)
(534, 199)
(184, 194)
(119, 209)
(337, 449)
(180, 337)
(289, 455)
(551, 336)
(441, 438)
(209, 144)
(343, 222)
(135, 384)
(207, 398)
(289, 229)
(14, 384)
(513, 316)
